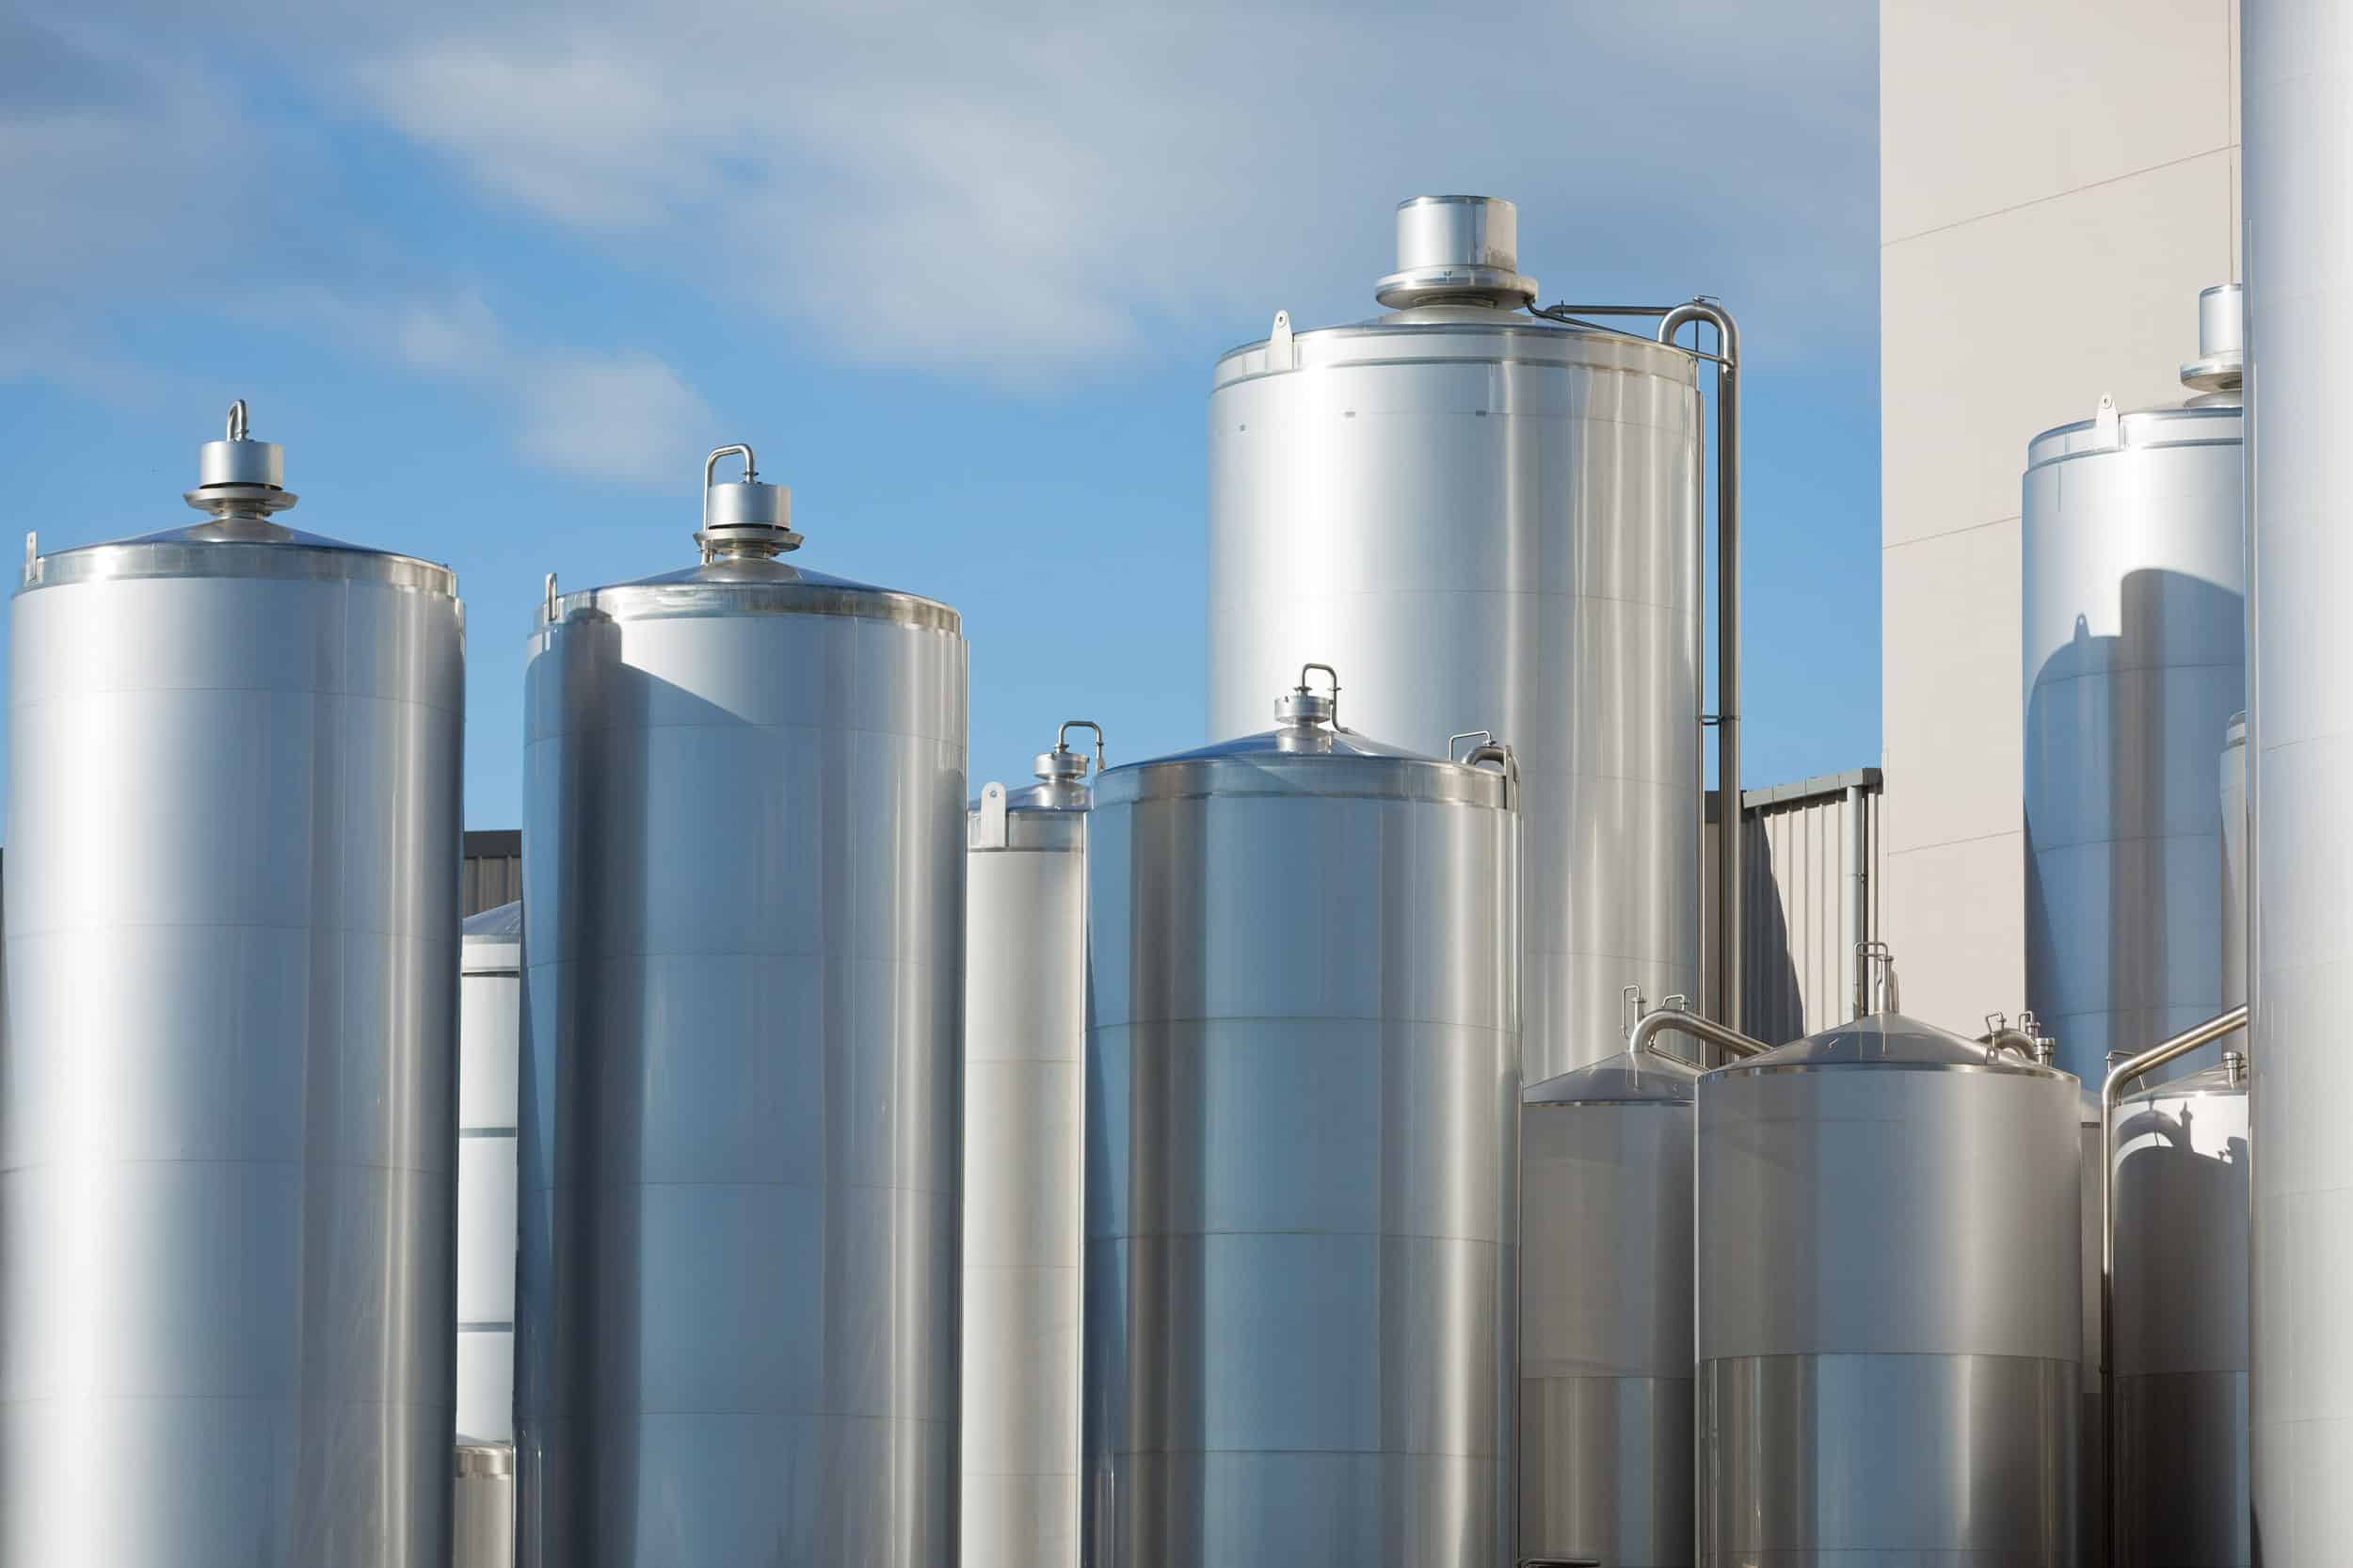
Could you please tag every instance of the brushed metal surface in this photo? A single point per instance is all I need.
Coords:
(1892, 1461)
(743, 868)
(1024, 1044)
(2181, 1350)
(2133, 623)
(1303, 1097)
(2297, 95)
(1488, 522)
(227, 1200)
(1606, 1295)
(490, 1030)
(1891, 1305)
(483, 1507)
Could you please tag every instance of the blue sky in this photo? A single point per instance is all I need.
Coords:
(499, 277)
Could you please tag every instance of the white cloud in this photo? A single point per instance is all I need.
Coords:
(609, 416)
(1013, 192)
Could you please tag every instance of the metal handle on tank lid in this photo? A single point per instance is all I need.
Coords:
(1063, 765)
(747, 520)
(1676, 1014)
(1878, 960)
(1302, 706)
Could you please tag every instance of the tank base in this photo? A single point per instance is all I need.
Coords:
(1605, 1470)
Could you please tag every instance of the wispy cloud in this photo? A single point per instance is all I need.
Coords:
(1008, 192)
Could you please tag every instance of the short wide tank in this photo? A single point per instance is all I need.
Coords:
(1606, 1314)
(1890, 1304)
(1303, 1081)
(227, 1126)
(1024, 1069)
(744, 914)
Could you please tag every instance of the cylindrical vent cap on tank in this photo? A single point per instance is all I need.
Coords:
(1457, 250)
(2222, 362)
(238, 474)
(747, 518)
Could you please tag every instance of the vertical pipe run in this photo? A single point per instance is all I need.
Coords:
(1729, 878)
(1858, 930)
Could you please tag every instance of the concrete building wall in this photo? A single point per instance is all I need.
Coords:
(2058, 181)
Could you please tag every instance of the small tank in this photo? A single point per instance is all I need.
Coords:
(743, 856)
(1605, 1337)
(2179, 1359)
(1024, 1071)
(1303, 1099)
(1889, 1302)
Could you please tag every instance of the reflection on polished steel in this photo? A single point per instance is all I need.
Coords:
(743, 905)
(2093, 1510)
(490, 1025)
(1024, 1156)
(2296, 87)
(2234, 893)
(1890, 1303)
(1489, 519)
(2135, 649)
(1604, 1346)
(483, 1517)
(2180, 1353)
(226, 1185)
(1302, 1080)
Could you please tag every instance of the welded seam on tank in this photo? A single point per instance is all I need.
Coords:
(310, 694)
(94, 565)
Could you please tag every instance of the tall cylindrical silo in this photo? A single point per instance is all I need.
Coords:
(1024, 1159)
(2179, 1360)
(2297, 92)
(1890, 1303)
(226, 1185)
(1303, 1081)
(1489, 521)
(743, 918)
(1605, 1315)
(2135, 658)
(489, 1026)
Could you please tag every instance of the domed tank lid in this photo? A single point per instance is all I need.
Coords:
(1310, 753)
(744, 527)
(1887, 1038)
(503, 925)
(477, 1458)
(2236, 733)
(1061, 774)
(240, 486)
(2226, 1077)
(1629, 1078)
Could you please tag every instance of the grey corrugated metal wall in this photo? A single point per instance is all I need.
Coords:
(494, 871)
(1800, 934)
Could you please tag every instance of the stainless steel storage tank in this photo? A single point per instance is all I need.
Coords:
(2135, 658)
(2179, 1355)
(1303, 1081)
(1605, 1313)
(490, 1024)
(1890, 1303)
(483, 1510)
(1024, 1159)
(1488, 520)
(225, 1140)
(743, 918)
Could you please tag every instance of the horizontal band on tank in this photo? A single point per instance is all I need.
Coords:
(2141, 430)
(317, 560)
(1571, 348)
(1306, 776)
(487, 1328)
(2000, 1069)
(691, 601)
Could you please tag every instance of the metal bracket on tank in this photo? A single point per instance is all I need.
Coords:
(32, 557)
(989, 827)
(1280, 355)
(2104, 421)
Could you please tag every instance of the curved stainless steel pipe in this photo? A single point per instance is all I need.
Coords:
(2112, 1091)
(1699, 1026)
(1730, 880)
